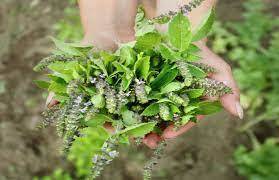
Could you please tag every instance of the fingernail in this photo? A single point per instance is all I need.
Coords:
(239, 110)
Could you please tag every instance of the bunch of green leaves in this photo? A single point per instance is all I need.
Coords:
(260, 163)
(138, 88)
(251, 46)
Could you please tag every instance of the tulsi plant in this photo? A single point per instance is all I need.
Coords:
(144, 85)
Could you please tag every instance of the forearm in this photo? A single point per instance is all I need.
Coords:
(103, 23)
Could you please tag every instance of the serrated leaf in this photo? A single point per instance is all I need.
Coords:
(66, 47)
(166, 52)
(208, 107)
(100, 64)
(196, 71)
(138, 130)
(179, 32)
(42, 84)
(148, 41)
(173, 86)
(57, 87)
(193, 57)
(97, 120)
(121, 68)
(127, 56)
(142, 66)
(195, 93)
(205, 27)
(151, 110)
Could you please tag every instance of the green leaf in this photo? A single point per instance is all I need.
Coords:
(173, 86)
(121, 68)
(179, 32)
(61, 97)
(193, 48)
(166, 76)
(165, 100)
(189, 109)
(148, 41)
(195, 93)
(61, 78)
(42, 84)
(186, 119)
(138, 130)
(85, 147)
(127, 56)
(57, 87)
(66, 47)
(144, 29)
(129, 117)
(126, 81)
(166, 52)
(107, 57)
(98, 101)
(208, 107)
(142, 25)
(142, 66)
(140, 15)
(151, 110)
(101, 65)
(192, 57)
(196, 71)
(97, 120)
(174, 108)
(205, 27)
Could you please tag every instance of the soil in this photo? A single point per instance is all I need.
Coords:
(204, 153)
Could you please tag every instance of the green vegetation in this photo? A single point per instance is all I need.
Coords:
(261, 163)
(252, 46)
(142, 86)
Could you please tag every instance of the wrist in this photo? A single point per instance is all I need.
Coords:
(103, 40)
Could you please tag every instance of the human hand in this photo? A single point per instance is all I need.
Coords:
(230, 102)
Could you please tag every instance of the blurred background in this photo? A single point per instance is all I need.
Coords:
(220, 147)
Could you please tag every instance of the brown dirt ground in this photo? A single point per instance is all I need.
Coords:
(202, 154)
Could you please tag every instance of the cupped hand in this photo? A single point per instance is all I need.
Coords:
(230, 102)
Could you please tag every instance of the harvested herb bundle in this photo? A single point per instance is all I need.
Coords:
(138, 88)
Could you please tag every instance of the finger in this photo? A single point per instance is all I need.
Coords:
(231, 102)
(52, 103)
(109, 127)
(151, 140)
(170, 132)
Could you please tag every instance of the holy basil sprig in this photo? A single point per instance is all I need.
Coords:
(142, 86)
